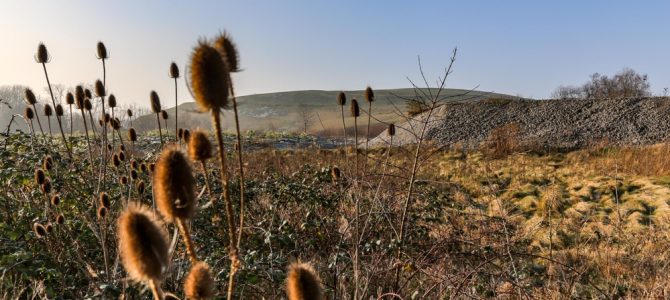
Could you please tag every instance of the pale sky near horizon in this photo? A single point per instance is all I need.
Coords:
(516, 47)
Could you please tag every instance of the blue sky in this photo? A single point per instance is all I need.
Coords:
(516, 47)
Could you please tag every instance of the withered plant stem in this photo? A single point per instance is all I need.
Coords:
(53, 101)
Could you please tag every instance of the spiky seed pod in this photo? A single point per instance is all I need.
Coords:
(132, 134)
(109, 147)
(106, 118)
(49, 228)
(140, 187)
(199, 146)
(88, 94)
(133, 164)
(143, 244)
(100, 89)
(164, 114)
(355, 110)
(391, 130)
(55, 200)
(102, 212)
(88, 105)
(122, 156)
(335, 174)
(174, 70)
(122, 147)
(104, 200)
(60, 219)
(123, 180)
(69, 98)
(155, 102)
(302, 283)
(187, 135)
(47, 162)
(180, 133)
(369, 94)
(28, 113)
(115, 160)
(228, 50)
(133, 174)
(102, 51)
(29, 96)
(39, 176)
(129, 112)
(143, 168)
(174, 185)
(79, 97)
(341, 99)
(46, 186)
(39, 230)
(152, 167)
(59, 110)
(48, 111)
(199, 283)
(209, 78)
(111, 101)
(116, 124)
(42, 55)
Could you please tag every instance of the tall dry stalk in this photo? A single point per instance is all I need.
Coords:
(342, 101)
(369, 97)
(174, 74)
(355, 113)
(156, 108)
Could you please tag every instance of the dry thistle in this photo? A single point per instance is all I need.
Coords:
(354, 109)
(111, 101)
(174, 185)
(369, 94)
(102, 213)
(144, 168)
(302, 283)
(228, 50)
(88, 105)
(60, 219)
(199, 283)
(100, 89)
(88, 94)
(123, 180)
(69, 98)
(49, 228)
(46, 186)
(140, 187)
(133, 174)
(122, 156)
(341, 99)
(133, 164)
(59, 110)
(48, 111)
(187, 135)
(115, 160)
(102, 51)
(42, 55)
(28, 113)
(209, 78)
(29, 96)
(335, 173)
(39, 230)
(174, 70)
(129, 112)
(55, 200)
(47, 162)
(155, 102)
(391, 130)
(164, 114)
(79, 97)
(132, 135)
(199, 147)
(104, 200)
(152, 167)
(39, 176)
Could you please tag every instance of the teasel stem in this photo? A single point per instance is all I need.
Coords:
(344, 134)
(103, 238)
(51, 136)
(95, 132)
(229, 205)
(204, 171)
(53, 101)
(71, 121)
(160, 132)
(367, 137)
(32, 134)
(113, 139)
(167, 132)
(156, 290)
(176, 112)
(186, 235)
(88, 142)
(240, 161)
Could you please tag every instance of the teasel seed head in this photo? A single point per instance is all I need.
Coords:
(369, 94)
(174, 70)
(39, 230)
(115, 160)
(133, 174)
(152, 167)
(209, 78)
(121, 147)
(48, 111)
(140, 187)
(79, 97)
(55, 200)
(133, 164)
(391, 129)
(116, 124)
(29, 96)
(199, 146)
(111, 101)
(46, 186)
(129, 112)
(88, 94)
(174, 185)
(109, 146)
(123, 180)
(28, 113)
(104, 200)
(42, 55)
(341, 99)
(106, 118)
(88, 105)
(164, 114)
(69, 98)
(355, 110)
(155, 102)
(47, 162)
(335, 174)
(60, 219)
(59, 110)
(102, 51)
(132, 134)
(100, 89)
(228, 50)
(102, 212)
(143, 168)
(199, 283)
(187, 135)
(39, 176)
(180, 133)
(122, 156)
(49, 228)
(302, 282)
(143, 244)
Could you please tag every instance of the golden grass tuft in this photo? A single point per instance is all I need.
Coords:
(174, 185)
(199, 146)
(302, 282)
(143, 244)
(199, 283)
(209, 78)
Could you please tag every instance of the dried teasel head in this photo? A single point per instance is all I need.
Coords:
(133, 164)
(102, 51)
(133, 174)
(369, 94)
(48, 111)
(102, 212)
(104, 200)
(40, 177)
(354, 109)
(106, 118)
(109, 146)
(199, 146)
(46, 186)
(129, 112)
(209, 78)
(174, 70)
(111, 101)
(155, 102)
(55, 200)
(143, 244)
(187, 135)
(302, 282)
(116, 161)
(42, 55)
(28, 113)
(132, 134)
(123, 180)
(49, 228)
(140, 187)
(59, 110)
(88, 94)
(47, 162)
(391, 130)
(143, 168)
(335, 173)
(69, 98)
(88, 105)
(122, 156)
(228, 50)
(122, 148)
(174, 185)
(29, 96)
(199, 283)
(39, 230)
(100, 89)
(60, 219)
(164, 114)
(116, 124)
(341, 99)
(152, 167)
(180, 133)
(79, 97)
